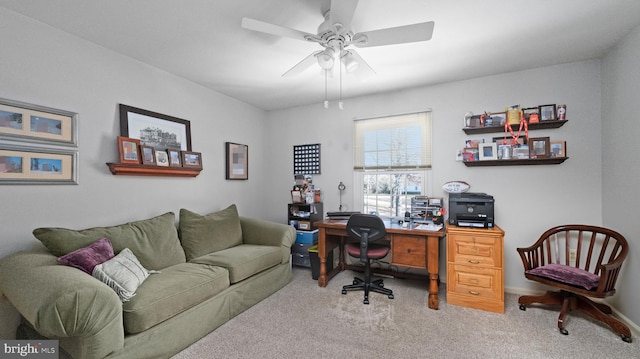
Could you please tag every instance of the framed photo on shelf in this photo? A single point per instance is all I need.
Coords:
(488, 151)
(32, 123)
(296, 196)
(495, 119)
(237, 161)
(162, 132)
(558, 149)
(162, 158)
(191, 159)
(539, 147)
(174, 158)
(527, 112)
(519, 142)
(30, 165)
(547, 112)
(129, 150)
(148, 155)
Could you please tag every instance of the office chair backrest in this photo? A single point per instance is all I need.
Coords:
(366, 228)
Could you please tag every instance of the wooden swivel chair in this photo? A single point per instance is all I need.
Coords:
(581, 262)
(366, 228)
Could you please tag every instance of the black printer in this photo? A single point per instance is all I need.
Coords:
(471, 209)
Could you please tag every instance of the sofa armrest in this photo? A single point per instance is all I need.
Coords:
(61, 301)
(257, 231)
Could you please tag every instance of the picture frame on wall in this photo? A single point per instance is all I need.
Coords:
(191, 159)
(129, 150)
(558, 149)
(162, 132)
(539, 147)
(37, 165)
(547, 112)
(20, 121)
(237, 161)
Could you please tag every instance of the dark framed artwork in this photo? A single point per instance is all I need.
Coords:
(174, 158)
(539, 147)
(547, 112)
(129, 150)
(148, 155)
(191, 159)
(162, 132)
(237, 161)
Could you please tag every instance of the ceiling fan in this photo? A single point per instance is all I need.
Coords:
(336, 36)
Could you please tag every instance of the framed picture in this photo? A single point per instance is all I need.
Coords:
(32, 123)
(162, 158)
(519, 142)
(296, 196)
(527, 112)
(191, 159)
(153, 129)
(495, 119)
(306, 159)
(148, 155)
(521, 153)
(174, 158)
(488, 151)
(237, 160)
(539, 147)
(504, 151)
(547, 112)
(558, 148)
(30, 165)
(129, 150)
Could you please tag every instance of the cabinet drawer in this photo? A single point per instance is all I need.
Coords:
(301, 260)
(301, 248)
(474, 250)
(485, 283)
(409, 251)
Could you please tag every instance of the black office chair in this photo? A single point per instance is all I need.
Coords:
(367, 228)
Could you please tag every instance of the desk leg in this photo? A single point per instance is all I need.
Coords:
(322, 255)
(432, 268)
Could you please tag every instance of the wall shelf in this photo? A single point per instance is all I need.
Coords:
(532, 126)
(517, 162)
(126, 169)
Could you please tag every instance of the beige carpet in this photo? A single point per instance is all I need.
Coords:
(305, 321)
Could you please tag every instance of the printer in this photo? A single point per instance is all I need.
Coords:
(471, 209)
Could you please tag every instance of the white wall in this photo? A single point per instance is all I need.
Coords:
(529, 199)
(44, 66)
(620, 164)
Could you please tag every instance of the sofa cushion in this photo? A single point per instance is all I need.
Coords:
(170, 292)
(154, 241)
(123, 273)
(213, 232)
(86, 258)
(568, 275)
(244, 260)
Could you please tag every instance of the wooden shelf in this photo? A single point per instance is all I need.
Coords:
(126, 169)
(517, 162)
(532, 126)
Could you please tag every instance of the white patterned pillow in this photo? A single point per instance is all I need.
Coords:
(123, 273)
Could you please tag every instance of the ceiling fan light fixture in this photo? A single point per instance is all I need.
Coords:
(325, 58)
(349, 61)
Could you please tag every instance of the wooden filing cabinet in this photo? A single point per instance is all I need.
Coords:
(475, 268)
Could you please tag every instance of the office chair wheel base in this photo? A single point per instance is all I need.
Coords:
(355, 282)
(564, 331)
(366, 301)
(390, 296)
(344, 292)
(523, 307)
(626, 339)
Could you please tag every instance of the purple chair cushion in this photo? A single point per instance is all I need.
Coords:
(88, 257)
(374, 251)
(567, 274)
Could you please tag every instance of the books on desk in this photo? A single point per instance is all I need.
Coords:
(340, 215)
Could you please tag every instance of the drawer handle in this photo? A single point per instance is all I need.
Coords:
(474, 292)
(473, 262)
(408, 250)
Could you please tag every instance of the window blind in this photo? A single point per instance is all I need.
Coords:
(399, 142)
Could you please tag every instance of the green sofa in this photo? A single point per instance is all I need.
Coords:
(203, 273)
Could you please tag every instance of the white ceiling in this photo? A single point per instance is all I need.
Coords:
(201, 40)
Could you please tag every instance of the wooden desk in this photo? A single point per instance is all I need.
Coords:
(414, 248)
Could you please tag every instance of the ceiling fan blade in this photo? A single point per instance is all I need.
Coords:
(341, 12)
(363, 70)
(265, 27)
(394, 35)
(302, 65)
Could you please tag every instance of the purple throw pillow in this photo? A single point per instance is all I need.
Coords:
(88, 257)
(568, 275)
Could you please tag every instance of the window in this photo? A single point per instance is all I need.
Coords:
(392, 162)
